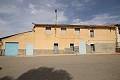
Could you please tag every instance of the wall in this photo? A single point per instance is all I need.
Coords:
(23, 39)
(45, 41)
(104, 40)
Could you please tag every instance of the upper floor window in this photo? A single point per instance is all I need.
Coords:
(91, 33)
(77, 30)
(119, 30)
(63, 31)
(48, 30)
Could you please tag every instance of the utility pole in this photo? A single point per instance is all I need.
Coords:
(56, 17)
(55, 21)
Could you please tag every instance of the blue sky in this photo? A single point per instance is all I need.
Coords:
(17, 15)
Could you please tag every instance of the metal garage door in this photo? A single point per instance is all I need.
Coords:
(82, 47)
(29, 50)
(11, 48)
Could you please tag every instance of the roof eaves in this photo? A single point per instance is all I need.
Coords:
(14, 35)
(43, 25)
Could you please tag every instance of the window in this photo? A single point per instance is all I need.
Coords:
(72, 46)
(119, 30)
(77, 30)
(63, 30)
(48, 30)
(92, 47)
(91, 33)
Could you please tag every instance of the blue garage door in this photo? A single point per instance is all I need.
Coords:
(11, 48)
(29, 50)
(82, 47)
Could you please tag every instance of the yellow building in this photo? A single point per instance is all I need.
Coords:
(63, 39)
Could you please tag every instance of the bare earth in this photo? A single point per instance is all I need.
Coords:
(72, 67)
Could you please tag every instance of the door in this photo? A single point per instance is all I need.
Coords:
(72, 46)
(29, 50)
(11, 48)
(55, 47)
(82, 47)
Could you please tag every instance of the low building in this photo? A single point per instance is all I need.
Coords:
(63, 39)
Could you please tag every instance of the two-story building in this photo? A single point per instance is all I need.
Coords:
(63, 39)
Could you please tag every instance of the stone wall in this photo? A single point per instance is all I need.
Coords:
(101, 48)
(21, 52)
(42, 51)
(2, 51)
(105, 48)
(88, 48)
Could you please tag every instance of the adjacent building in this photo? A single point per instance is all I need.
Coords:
(63, 39)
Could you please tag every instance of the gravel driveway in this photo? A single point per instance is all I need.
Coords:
(71, 67)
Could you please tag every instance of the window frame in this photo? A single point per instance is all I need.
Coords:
(76, 30)
(48, 30)
(119, 30)
(63, 30)
(92, 47)
(91, 33)
(72, 44)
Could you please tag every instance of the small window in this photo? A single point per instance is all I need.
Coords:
(119, 30)
(72, 46)
(77, 30)
(48, 30)
(63, 30)
(92, 47)
(91, 33)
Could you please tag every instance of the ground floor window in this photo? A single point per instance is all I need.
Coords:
(55, 47)
(72, 46)
(92, 47)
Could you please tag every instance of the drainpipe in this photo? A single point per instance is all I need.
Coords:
(0, 48)
(117, 37)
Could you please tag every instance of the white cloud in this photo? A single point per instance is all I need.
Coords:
(28, 13)
(2, 22)
(48, 5)
(19, 0)
(99, 20)
(45, 15)
(32, 9)
(87, 0)
(77, 3)
(61, 17)
(76, 21)
(10, 9)
(4, 29)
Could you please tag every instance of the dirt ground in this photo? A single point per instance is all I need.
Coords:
(72, 67)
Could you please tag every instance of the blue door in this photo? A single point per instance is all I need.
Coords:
(29, 50)
(82, 47)
(55, 47)
(11, 48)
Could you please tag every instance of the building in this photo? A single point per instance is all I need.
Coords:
(63, 39)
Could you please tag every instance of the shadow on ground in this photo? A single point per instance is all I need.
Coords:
(42, 73)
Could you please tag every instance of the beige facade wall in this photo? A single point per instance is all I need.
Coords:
(46, 41)
(23, 39)
(104, 39)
